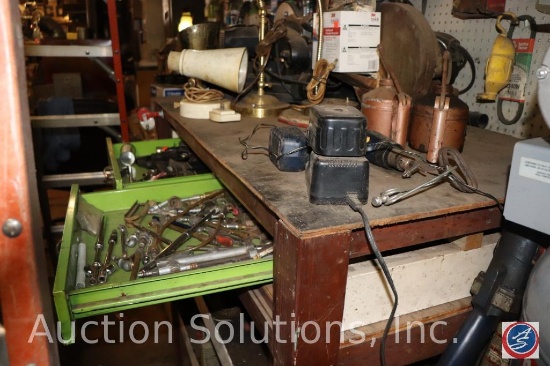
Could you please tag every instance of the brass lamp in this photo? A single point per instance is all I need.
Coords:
(259, 104)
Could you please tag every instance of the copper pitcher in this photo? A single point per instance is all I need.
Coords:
(438, 120)
(387, 111)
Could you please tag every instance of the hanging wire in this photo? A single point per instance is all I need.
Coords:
(263, 149)
(263, 49)
(356, 206)
(247, 146)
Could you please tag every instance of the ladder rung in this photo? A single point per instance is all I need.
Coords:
(82, 179)
(68, 51)
(75, 120)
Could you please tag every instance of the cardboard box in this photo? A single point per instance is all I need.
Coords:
(166, 90)
(351, 37)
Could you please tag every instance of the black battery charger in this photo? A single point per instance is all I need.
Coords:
(288, 149)
(337, 131)
(337, 166)
(331, 179)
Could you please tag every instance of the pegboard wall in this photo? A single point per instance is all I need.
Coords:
(477, 36)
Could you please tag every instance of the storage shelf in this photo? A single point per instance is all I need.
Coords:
(78, 120)
(68, 51)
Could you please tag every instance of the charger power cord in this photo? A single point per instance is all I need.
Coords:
(356, 206)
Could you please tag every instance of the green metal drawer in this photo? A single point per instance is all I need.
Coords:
(145, 148)
(119, 293)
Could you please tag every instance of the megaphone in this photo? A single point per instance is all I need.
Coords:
(225, 67)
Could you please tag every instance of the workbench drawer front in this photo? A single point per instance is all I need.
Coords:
(159, 154)
(120, 293)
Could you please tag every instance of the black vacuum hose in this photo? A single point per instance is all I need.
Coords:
(506, 277)
(470, 340)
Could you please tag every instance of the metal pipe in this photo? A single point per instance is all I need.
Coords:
(110, 72)
(184, 259)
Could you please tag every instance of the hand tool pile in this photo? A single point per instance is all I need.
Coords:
(176, 235)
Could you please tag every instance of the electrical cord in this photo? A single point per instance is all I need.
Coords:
(278, 65)
(198, 94)
(521, 104)
(318, 84)
(277, 157)
(478, 191)
(356, 206)
(465, 181)
(247, 147)
(472, 64)
(281, 78)
(263, 49)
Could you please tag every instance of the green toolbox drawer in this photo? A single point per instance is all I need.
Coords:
(143, 149)
(120, 293)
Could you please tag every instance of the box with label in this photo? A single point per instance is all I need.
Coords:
(166, 90)
(351, 37)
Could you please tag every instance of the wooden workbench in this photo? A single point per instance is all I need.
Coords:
(314, 243)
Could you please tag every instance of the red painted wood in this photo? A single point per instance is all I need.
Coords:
(23, 282)
(117, 66)
(412, 346)
(310, 277)
(406, 234)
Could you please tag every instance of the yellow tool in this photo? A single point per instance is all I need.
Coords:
(498, 70)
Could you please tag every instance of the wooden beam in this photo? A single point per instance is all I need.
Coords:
(468, 242)
(406, 234)
(310, 282)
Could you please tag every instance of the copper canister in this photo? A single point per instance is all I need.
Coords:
(387, 111)
(438, 121)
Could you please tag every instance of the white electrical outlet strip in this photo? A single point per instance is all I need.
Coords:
(224, 115)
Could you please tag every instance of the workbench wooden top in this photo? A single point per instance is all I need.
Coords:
(487, 153)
